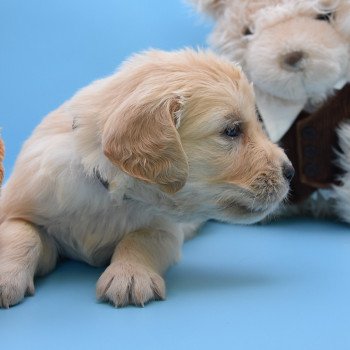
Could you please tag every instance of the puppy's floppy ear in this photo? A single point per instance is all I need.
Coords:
(213, 8)
(142, 140)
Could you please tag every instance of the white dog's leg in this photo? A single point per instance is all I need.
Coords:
(134, 275)
(24, 252)
(342, 192)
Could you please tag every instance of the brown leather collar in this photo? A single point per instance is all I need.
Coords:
(311, 142)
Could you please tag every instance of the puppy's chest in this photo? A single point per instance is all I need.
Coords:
(91, 236)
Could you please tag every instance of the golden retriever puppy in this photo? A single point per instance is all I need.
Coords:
(131, 165)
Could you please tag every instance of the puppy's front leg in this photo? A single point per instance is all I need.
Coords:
(134, 275)
(24, 251)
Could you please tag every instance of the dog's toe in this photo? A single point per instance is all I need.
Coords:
(14, 287)
(130, 283)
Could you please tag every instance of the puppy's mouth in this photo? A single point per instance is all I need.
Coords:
(250, 207)
(245, 208)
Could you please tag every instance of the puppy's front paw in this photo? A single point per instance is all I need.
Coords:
(129, 283)
(14, 286)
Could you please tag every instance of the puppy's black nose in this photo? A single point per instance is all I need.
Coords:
(288, 171)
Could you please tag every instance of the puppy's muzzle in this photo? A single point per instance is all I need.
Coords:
(272, 185)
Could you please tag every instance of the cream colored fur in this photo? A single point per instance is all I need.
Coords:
(155, 131)
(259, 34)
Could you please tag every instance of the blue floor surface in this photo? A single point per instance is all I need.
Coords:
(280, 286)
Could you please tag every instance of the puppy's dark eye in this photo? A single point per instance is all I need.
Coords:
(233, 131)
(325, 16)
(247, 31)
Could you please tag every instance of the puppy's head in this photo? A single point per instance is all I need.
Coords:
(186, 122)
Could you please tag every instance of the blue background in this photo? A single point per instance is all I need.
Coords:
(280, 286)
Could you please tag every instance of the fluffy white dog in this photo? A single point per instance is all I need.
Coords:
(131, 165)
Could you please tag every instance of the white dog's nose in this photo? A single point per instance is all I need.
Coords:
(292, 60)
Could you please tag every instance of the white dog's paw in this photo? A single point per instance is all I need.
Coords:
(129, 283)
(14, 286)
